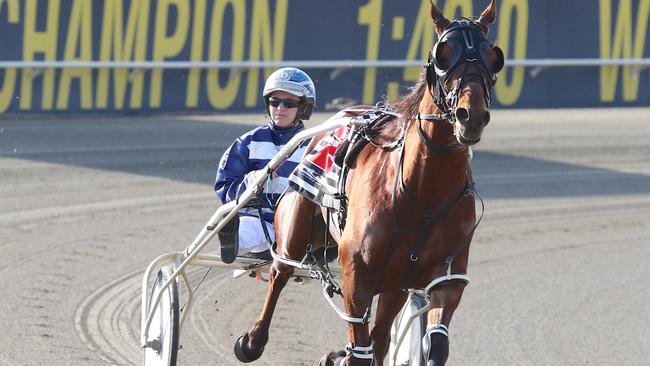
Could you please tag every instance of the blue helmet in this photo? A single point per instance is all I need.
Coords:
(293, 81)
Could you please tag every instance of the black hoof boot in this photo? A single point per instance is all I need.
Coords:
(436, 349)
(245, 354)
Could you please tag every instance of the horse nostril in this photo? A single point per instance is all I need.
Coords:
(486, 118)
(462, 114)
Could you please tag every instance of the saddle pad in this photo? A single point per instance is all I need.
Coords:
(317, 175)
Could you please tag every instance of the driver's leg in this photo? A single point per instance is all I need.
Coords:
(251, 235)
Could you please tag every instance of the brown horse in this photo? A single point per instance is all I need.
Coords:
(411, 209)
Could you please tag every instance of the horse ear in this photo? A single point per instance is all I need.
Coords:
(487, 17)
(439, 20)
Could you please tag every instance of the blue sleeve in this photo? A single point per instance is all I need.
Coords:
(231, 173)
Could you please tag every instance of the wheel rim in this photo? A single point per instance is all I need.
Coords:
(163, 332)
(410, 351)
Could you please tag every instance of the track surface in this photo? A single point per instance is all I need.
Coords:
(559, 266)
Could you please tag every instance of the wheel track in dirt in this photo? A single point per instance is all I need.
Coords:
(104, 320)
(108, 320)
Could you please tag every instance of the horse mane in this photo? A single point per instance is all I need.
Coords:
(407, 107)
(409, 104)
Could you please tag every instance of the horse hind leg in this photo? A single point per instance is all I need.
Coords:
(292, 234)
(250, 346)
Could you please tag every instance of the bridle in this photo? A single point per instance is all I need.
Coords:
(470, 46)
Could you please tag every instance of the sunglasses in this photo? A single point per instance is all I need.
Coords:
(287, 103)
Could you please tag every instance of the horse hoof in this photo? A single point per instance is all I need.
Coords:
(333, 359)
(244, 353)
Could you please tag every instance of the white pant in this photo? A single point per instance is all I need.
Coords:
(251, 235)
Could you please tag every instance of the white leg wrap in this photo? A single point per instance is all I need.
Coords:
(438, 328)
(364, 353)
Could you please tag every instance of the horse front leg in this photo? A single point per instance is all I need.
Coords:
(444, 301)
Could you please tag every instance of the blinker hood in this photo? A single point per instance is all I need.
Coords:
(469, 45)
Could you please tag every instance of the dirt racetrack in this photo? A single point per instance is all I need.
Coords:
(559, 267)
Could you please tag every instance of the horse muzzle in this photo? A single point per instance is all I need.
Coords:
(469, 125)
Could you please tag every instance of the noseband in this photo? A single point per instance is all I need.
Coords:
(470, 46)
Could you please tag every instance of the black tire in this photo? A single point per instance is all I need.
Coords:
(410, 351)
(165, 324)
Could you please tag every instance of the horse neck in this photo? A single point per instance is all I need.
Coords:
(430, 175)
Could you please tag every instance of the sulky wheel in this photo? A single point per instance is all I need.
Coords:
(410, 351)
(162, 342)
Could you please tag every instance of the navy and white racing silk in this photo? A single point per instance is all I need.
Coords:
(246, 158)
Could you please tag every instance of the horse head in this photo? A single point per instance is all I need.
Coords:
(462, 70)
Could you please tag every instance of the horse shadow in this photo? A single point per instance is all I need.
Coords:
(506, 176)
(176, 148)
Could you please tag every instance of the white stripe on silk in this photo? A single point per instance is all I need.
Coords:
(262, 150)
(277, 185)
(296, 157)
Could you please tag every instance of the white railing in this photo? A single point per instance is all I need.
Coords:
(316, 64)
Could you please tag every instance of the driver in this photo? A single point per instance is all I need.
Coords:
(290, 95)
